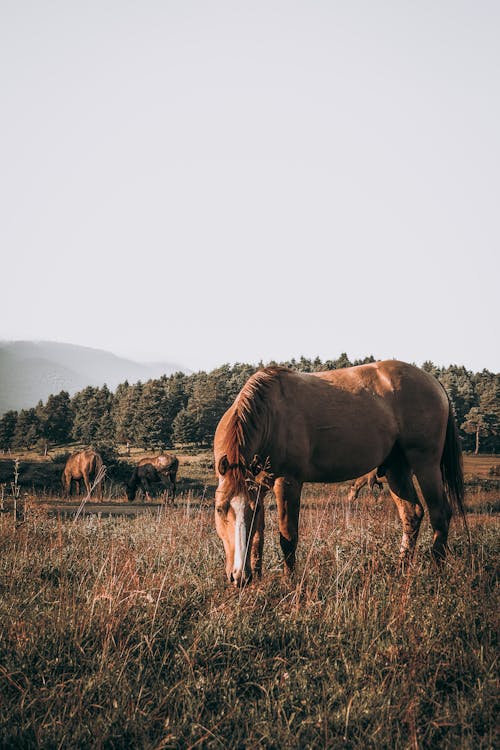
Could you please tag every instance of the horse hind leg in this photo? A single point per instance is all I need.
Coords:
(404, 495)
(431, 485)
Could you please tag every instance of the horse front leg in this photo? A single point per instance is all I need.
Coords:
(257, 548)
(287, 491)
(399, 477)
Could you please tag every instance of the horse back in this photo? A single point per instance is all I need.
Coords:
(165, 463)
(83, 461)
(339, 424)
(391, 402)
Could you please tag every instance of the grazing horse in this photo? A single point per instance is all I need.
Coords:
(331, 427)
(371, 479)
(86, 465)
(150, 470)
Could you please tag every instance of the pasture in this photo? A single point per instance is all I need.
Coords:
(122, 632)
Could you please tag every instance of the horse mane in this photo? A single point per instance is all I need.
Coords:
(249, 416)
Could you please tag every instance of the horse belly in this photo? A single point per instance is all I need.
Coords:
(349, 450)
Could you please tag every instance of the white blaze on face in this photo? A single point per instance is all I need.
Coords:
(240, 533)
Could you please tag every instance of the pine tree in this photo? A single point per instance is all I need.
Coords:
(431, 368)
(342, 361)
(104, 432)
(56, 418)
(7, 429)
(459, 385)
(84, 406)
(27, 430)
(153, 427)
(479, 424)
(126, 413)
(176, 394)
(206, 405)
(488, 392)
(184, 427)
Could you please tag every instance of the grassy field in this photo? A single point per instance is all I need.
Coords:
(39, 476)
(122, 633)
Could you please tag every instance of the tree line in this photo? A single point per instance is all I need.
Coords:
(185, 409)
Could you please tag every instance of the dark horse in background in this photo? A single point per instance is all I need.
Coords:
(152, 470)
(86, 465)
(286, 428)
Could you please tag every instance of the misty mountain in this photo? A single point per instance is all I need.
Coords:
(32, 370)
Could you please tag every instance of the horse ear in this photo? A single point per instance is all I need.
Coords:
(223, 465)
(256, 466)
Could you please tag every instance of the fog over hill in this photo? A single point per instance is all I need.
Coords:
(32, 370)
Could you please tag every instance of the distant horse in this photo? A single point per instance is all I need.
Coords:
(151, 470)
(331, 427)
(86, 465)
(371, 479)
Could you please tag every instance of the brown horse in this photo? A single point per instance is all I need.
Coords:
(371, 479)
(86, 465)
(330, 427)
(151, 470)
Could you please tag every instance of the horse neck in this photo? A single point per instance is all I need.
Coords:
(247, 426)
(257, 440)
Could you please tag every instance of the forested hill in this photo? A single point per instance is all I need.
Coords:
(180, 409)
(32, 370)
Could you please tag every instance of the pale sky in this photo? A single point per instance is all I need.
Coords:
(211, 182)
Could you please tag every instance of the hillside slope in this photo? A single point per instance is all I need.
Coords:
(32, 370)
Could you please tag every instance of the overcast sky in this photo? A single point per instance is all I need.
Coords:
(210, 182)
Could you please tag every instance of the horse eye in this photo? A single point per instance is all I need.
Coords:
(220, 510)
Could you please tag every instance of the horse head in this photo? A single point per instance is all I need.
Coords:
(239, 516)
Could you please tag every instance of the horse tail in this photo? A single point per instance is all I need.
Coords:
(452, 466)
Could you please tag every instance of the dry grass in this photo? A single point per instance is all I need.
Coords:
(480, 465)
(120, 633)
